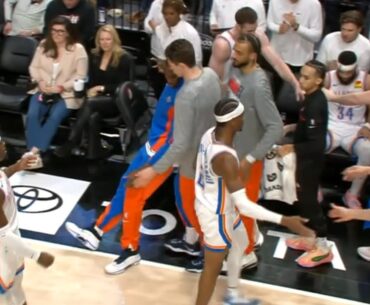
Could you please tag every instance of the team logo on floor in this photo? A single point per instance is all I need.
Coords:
(45, 201)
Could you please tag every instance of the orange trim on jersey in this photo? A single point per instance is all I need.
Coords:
(164, 136)
(7, 287)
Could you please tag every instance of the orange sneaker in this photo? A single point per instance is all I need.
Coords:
(301, 243)
(315, 257)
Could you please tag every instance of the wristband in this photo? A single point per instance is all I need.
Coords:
(250, 159)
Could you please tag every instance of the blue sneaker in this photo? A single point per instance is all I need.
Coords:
(178, 245)
(229, 300)
(195, 265)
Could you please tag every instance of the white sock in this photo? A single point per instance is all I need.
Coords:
(98, 230)
(322, 242)
(191, 236)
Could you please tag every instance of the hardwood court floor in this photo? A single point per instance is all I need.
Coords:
(77, 278)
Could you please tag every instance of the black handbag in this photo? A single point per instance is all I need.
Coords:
(50, 98)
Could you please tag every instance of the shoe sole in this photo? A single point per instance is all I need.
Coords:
(250, 266)
(327, 260)
(135, 262)
(299, 248)
(75, 234)
(194, 270)
(178, 250)
(366, 258)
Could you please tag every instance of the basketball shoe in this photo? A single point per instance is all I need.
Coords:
(301, 243)
(315, 257)
(90, 238)
(179, 245)
(364, 252)
(231, 300)
(127, 259)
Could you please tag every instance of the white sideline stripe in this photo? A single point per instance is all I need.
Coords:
(180, 269)
(280, 249)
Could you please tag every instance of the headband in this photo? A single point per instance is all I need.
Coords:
(231, 115)
(346, 68)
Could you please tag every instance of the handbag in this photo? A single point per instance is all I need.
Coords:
(50, 98)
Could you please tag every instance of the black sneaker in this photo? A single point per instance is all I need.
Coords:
(195, 265)
(178, 245)
(127, 259)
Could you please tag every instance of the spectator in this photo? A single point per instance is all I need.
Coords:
(24, 18)
(58, 62)
(109, 66)
(296, 25)
(222, 13)
(349, 38)
(347, 128)
(139, 16)
(81, 13)
(172, 29)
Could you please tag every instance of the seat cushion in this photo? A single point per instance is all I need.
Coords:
(12, 99)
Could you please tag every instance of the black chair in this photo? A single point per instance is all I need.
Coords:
(15, 58)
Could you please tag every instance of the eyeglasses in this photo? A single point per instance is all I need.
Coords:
(59, 32)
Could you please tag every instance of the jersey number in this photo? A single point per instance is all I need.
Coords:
(344, 112)
(201, 181)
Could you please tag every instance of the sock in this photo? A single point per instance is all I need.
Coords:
(98, 231)
(190, 236)
(322, 242)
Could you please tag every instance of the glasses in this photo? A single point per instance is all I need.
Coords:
(59, 32)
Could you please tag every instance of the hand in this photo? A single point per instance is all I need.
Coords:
(245, 170)
(364, 132)
(299, 93)
(45, 259)
(153, 24)
(354, 172)
(285, 149)
(340, 214)
(3, 151)
(26, 162)
(284, 27)
(7, 28)
(44, 88)
(94, 91)
(290, 19)
(296, 224)
(143, 177)
(332, 65)
(330, 95)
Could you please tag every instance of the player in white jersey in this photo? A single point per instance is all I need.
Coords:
(13, 250)
(220, 197)
(347, 126)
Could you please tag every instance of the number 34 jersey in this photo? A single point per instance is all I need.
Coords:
(342, 115)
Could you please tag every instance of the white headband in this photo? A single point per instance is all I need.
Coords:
(231, 115)
(346, 68)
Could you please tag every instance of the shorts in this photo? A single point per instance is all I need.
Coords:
(345, 138)
(15, 294)
(216, 228)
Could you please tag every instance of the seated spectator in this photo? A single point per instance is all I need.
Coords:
(296, 26)
(58, 62)
(172, 29)
(222, 13)
(81, 13)
(24, 17)
(349, 38)
(347, 128)
(109, 66)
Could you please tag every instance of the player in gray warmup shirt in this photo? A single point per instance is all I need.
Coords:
(193, 116)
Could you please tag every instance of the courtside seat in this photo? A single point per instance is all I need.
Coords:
(15, 58)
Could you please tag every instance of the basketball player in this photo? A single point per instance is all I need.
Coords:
(309, 146)
(128, 202)
(220, 197)
(246, 22)
(347, 128)
(13, 249)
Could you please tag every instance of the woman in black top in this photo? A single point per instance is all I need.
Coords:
(109, 66)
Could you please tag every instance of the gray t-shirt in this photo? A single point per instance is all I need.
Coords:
(263, 126)
(193, 117)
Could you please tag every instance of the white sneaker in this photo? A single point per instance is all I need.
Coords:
(127, 259)
(364, 252)
(248, 262)
(259, 241)
(84, 236)
(229, 300)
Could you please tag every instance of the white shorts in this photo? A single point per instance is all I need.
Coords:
(15, 294)
(345, 138)
(216, 228)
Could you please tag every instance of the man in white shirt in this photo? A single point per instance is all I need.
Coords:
(222, 13)
(296, 25)
(348, 39)
(153, 20)
(24, 17)
(246, 22)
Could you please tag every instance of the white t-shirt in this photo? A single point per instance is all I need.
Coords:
(223, 12)
(155, 14)
(182, 30)
(295, 47)
(333, 45)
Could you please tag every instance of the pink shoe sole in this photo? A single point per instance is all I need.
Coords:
(301, 246)
(301, 261)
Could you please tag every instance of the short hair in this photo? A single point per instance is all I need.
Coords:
(181, 51)
(347, 58)
(177, 5)
(225, 106)
(246, 15)
(319, 68)
(253, 40)
(352, 16)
